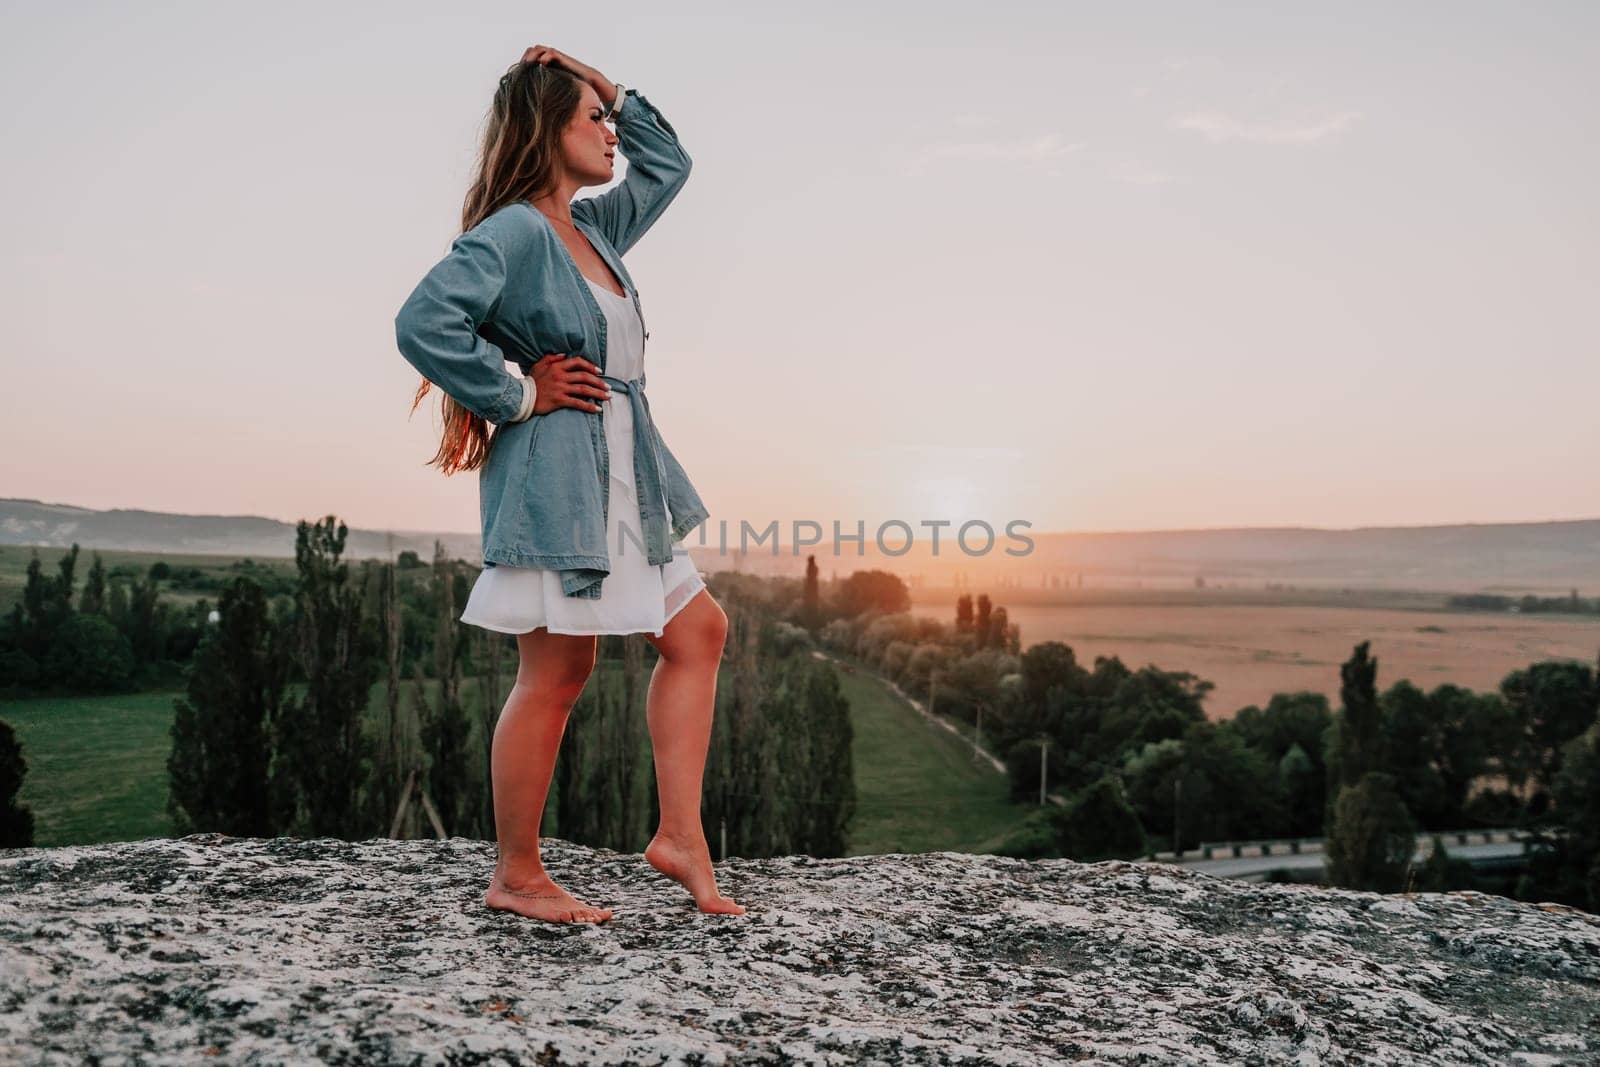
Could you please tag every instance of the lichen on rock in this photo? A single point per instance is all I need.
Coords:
(287, 950)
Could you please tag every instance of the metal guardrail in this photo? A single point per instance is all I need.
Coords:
(1294, 846)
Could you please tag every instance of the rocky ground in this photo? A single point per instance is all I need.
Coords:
(219, 949)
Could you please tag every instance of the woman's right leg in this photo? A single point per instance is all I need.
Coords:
(551, 674)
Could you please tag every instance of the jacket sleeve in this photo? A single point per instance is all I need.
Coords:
(657, 168)
(437, 328)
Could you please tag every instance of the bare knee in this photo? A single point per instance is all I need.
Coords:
(696, 635)
(714, 630)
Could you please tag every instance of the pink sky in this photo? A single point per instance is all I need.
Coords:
(1094, 268)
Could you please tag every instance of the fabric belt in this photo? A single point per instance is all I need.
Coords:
(649, 471)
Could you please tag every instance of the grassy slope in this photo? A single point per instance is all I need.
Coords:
(918, 789)
(97, 766)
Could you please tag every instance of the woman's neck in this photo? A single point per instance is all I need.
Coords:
(556, 206)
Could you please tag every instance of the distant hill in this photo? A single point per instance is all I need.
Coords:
(1512, 556)
(32, 522)
(1545, 558)
(1531, 556)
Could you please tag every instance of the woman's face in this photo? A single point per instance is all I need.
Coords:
(588, 146)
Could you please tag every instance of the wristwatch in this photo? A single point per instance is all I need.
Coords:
(616, 105)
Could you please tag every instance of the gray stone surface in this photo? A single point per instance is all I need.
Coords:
(216, 949)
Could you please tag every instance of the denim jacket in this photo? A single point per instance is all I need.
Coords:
(510, 290)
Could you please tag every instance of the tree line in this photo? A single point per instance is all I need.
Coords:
(1140, 767)
(349, 702)
(1571, 604)
(115, 634)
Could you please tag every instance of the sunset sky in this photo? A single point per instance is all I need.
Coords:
(1099, 267)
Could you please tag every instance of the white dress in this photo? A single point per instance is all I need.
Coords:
(635, 596)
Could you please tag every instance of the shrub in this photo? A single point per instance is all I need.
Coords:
(1370, 843)
(89, 653)
(1036, 838)
(18, 668)
(1099, 823)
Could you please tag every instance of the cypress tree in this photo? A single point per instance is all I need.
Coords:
(221, 728)
(321, 747)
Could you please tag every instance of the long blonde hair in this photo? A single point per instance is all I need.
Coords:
(516, 161)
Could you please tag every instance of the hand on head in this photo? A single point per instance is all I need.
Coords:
(545, 55)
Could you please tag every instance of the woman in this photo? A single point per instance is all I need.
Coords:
(584, 507)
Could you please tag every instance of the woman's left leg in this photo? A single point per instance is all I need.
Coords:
(678, 707)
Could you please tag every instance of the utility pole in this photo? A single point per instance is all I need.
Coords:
(1177, 817)
(1043, 767)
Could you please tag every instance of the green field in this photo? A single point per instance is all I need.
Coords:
(917, 787)
(97, 771)
(97, 766)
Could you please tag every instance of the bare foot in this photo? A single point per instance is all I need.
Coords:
(690, 866)
(541, 898)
